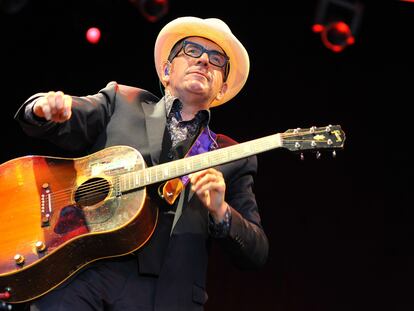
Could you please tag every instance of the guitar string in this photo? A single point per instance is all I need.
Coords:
(88, 192)
(97, 188)
(283, 135)
(92, 188)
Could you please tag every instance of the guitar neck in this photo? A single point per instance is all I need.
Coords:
(330, 137)
(170, 170)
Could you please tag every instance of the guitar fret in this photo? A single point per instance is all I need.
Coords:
(159, 173)
(140, 178)
(179, 169)
(205, 160)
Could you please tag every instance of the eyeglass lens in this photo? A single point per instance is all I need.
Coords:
(195, 50)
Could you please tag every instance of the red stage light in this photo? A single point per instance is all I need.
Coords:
(93, 35)
(337, 21)
(318, 28)
(337, 36)
(152, 10)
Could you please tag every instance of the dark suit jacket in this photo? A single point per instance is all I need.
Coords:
(123, 115)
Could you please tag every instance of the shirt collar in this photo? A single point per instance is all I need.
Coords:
(172, 101)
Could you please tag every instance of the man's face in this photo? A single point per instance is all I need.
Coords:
(196, 78)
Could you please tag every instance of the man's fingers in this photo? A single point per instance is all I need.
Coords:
(47, 114)
(207, 181)
(67, 106)
(210, 186)
(59, 101)
(55, 106)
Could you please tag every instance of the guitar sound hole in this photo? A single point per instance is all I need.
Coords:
(92, 192)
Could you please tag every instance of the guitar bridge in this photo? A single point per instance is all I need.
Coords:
(45, 205)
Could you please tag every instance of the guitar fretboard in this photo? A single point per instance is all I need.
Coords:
(177, 168)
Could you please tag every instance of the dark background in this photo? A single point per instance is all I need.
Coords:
(340, 229)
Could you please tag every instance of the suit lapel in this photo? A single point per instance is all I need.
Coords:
(155, 120)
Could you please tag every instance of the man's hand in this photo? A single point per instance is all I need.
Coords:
(210, 187)
(55, 106)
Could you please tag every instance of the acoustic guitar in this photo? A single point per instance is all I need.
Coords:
(60, 214)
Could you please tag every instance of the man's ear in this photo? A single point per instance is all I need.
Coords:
(222, 91)
(166, 68)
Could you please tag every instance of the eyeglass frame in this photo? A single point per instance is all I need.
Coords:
(175, 51)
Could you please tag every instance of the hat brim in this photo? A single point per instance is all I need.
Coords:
(212, 29)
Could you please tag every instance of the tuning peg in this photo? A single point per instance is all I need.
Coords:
(318, 155)
(302, 157)
(334, 154)
(312, 129)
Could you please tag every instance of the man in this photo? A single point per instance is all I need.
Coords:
(201, 64)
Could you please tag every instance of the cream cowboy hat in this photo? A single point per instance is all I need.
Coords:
(215, 30)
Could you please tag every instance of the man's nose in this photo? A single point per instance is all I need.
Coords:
(204, 58)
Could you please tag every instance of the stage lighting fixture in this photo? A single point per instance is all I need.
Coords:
(337, 21)
(152, 10)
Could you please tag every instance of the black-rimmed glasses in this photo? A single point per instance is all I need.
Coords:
(195, 50)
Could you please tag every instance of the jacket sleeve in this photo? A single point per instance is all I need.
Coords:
(90, 115)
(246, 243)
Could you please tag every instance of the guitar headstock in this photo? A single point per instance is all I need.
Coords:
(329, 137)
